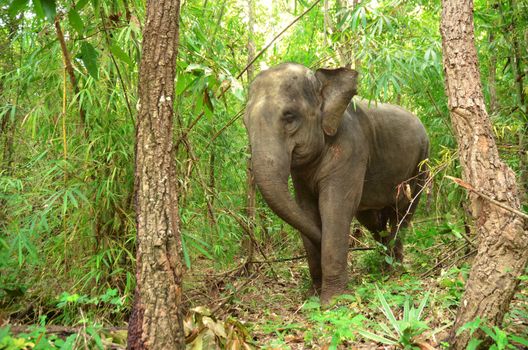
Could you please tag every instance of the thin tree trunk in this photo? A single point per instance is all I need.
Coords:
(519, 80)
(516, 56)
(503, 242)
(248, 243)
(69, 68)
(492, 76)
(156, 320)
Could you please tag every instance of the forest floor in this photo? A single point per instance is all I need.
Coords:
(268, 307)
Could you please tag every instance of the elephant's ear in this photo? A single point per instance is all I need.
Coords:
(338, 87)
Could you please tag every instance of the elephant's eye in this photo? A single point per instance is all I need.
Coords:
(289, 117)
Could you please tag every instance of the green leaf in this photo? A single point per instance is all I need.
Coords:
(50, 9)
(385, 308)
(37, 7)
(472, 326)
(89, 57)
(95, 4)
(80, 4)
(16, 7)
(76, 21)
(186, 257)
(520, 340)
(119, 53)
(421, 307)
(97, 339)
(68, 344)
(473, 344)
(377, 338)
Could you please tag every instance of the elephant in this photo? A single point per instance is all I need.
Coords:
(346, 158)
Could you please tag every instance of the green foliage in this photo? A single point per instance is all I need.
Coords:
(340, 322)
(500, 339)
(404, 331)
(67, 225)
(37, 338)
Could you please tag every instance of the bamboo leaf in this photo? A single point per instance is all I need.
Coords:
(119, 53)
(80, 4)
(16, 7)
(50, 9)
(377, 338)
(37, 8)
(89, 57)
(76, 21)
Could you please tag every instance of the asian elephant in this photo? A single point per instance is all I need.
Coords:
(346, 159)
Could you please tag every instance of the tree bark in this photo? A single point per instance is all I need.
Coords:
(503, 249)
(156, 320)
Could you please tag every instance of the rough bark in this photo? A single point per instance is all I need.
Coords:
(156, 321)
(502, 251)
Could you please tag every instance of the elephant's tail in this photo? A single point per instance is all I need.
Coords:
(417, 185)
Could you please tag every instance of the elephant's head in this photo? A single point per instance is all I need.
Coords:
(289, 113)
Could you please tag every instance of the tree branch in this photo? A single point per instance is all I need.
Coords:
(227, 87)
(468, 187)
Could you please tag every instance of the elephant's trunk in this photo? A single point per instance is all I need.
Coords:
(272, 170)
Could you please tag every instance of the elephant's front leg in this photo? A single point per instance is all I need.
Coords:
(308, 203)
(337, 205)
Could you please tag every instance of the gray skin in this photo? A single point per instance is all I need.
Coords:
(345, 159)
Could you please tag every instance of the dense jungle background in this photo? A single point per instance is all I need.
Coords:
(68, 104)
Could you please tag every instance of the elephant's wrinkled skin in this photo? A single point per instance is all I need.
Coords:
(345, 159)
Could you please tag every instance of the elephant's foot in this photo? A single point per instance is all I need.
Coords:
(395, 266)
(313, 291)
(331, 290)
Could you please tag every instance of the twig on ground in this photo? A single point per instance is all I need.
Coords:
(421, 221)
(246, 229)
(462, 258)
(303, 256)
(61, 330)
(232, 294)
(428, 272)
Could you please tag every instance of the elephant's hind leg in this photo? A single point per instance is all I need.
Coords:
(376, 222)
(401, 217)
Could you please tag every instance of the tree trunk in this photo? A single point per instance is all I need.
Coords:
(156, 320)
(502, 251)
(248, 243)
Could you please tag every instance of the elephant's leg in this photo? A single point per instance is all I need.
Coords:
(391, 239)
(313, 255)
(401, 217)
(374, 220)
(308, 203)
(337, 205)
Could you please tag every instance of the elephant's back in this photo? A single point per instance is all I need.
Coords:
(391, 119)
(398, 143)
